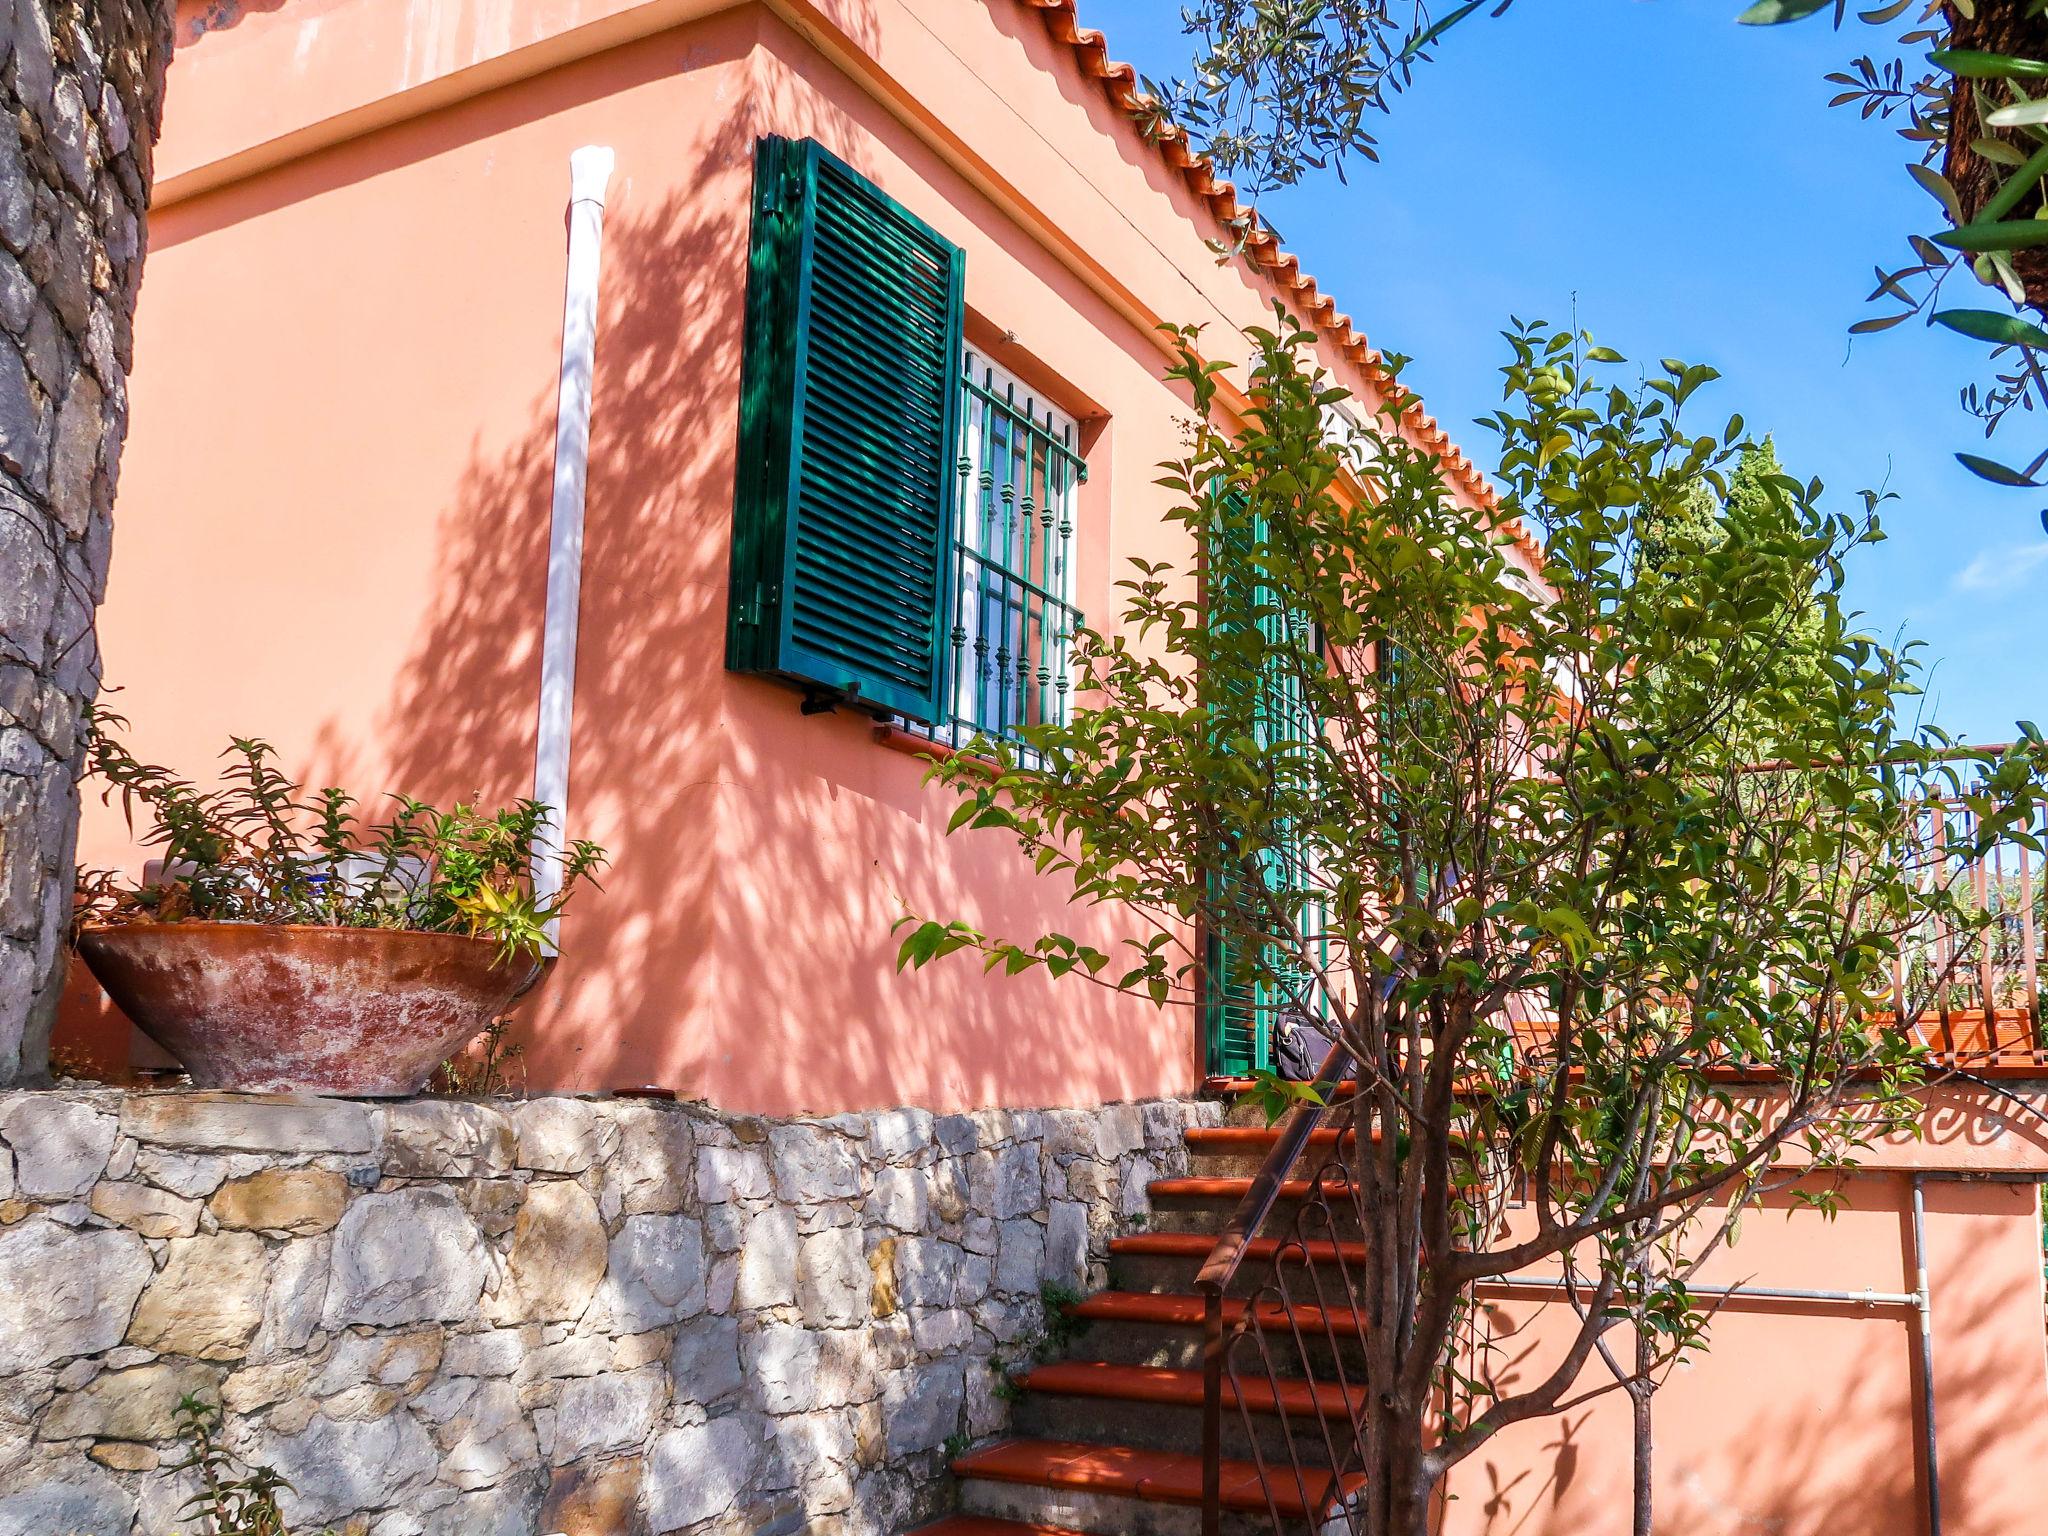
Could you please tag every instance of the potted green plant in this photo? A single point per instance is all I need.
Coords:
(284, 943)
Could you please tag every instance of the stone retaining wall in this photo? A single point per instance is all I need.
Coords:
(590, 1316)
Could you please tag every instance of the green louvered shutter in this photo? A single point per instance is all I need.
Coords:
(844, 511)
(1244, 1001)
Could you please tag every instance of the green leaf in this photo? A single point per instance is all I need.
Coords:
(2021, 114)
(1996, 473)
(1976, 64)
(1937, 186)
(2007, 235)
(1417, 44)
(1991, 325)
(1769, 13)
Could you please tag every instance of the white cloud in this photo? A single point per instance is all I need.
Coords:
(2001, 568)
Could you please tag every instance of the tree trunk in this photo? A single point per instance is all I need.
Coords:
(1996, 26)
(1640, 1393)
(82, 83)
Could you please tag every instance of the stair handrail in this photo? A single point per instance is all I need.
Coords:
(1228, 1253)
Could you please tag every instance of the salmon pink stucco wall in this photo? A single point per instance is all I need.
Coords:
(1802, 1418)
(333, 521)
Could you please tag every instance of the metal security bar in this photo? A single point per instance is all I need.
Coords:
(1972, 996)
(1014, 614)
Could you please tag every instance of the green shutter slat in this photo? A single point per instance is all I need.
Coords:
(845, 500)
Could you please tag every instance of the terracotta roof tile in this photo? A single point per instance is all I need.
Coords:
(1262, 247)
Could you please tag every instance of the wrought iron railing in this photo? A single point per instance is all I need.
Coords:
(1014, 610)
(1295, 1340)
(1971, 995)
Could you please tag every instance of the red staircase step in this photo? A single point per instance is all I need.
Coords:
(1163, 1477)
(982, 1525)
(1183, 1388)
(1197, 1245)
(1176, 1309)
(1236, 1189)
(1252, 1138)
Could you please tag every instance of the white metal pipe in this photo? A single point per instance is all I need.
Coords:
(590, 171)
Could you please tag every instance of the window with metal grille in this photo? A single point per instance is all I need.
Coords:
(1011, 630)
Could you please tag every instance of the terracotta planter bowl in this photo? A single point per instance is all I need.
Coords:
(278, 1009)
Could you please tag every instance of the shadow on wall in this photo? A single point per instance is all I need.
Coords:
(743, 940)
(1799, 1418)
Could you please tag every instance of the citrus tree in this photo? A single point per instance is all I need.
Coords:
(1425, 770)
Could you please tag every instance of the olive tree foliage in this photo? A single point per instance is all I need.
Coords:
(1424, 792)
(1280, 89)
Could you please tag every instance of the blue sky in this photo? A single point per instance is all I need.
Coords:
(1680, 178)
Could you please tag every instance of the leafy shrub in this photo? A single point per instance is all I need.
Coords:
(262, 849)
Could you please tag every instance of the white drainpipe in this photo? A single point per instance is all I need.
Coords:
(590, 170)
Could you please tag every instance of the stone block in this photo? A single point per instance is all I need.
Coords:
(921, 1406)
(27, 594)
(298, 1293)
(699, 1471)
(411, 1255)
(300, 1201)
(206, 1301)
(21, 418)
(341, 1467)
(1136, 1198)
(1119, 1131)
(1019, 1187)
(812, 1164)
(941, 1332)
(595, 1499)
(832, 1278)
(900, 1199)
(927, 1269)
(447, 1138)
(584, 1355)
(489, 1439)
(732, 1173)
(60, 1146)
(258, 1386)
(136, 1404)
(60, 1500)
(562, 1135)
(602, 1415)
(656, 1156)
(494, 1203)
(704, 1361)
(657, 1272)
(508, 1509)
(797, 1370)
(900, 1135)
(67, 1292)
(299, 1124)
(75, 453)
(1020, 1261)
(557, 1258)
(147, 1210)
(767, 1268)
(494, 1352)
(1066, 1243)
(194, 1175)
(404, 1361)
